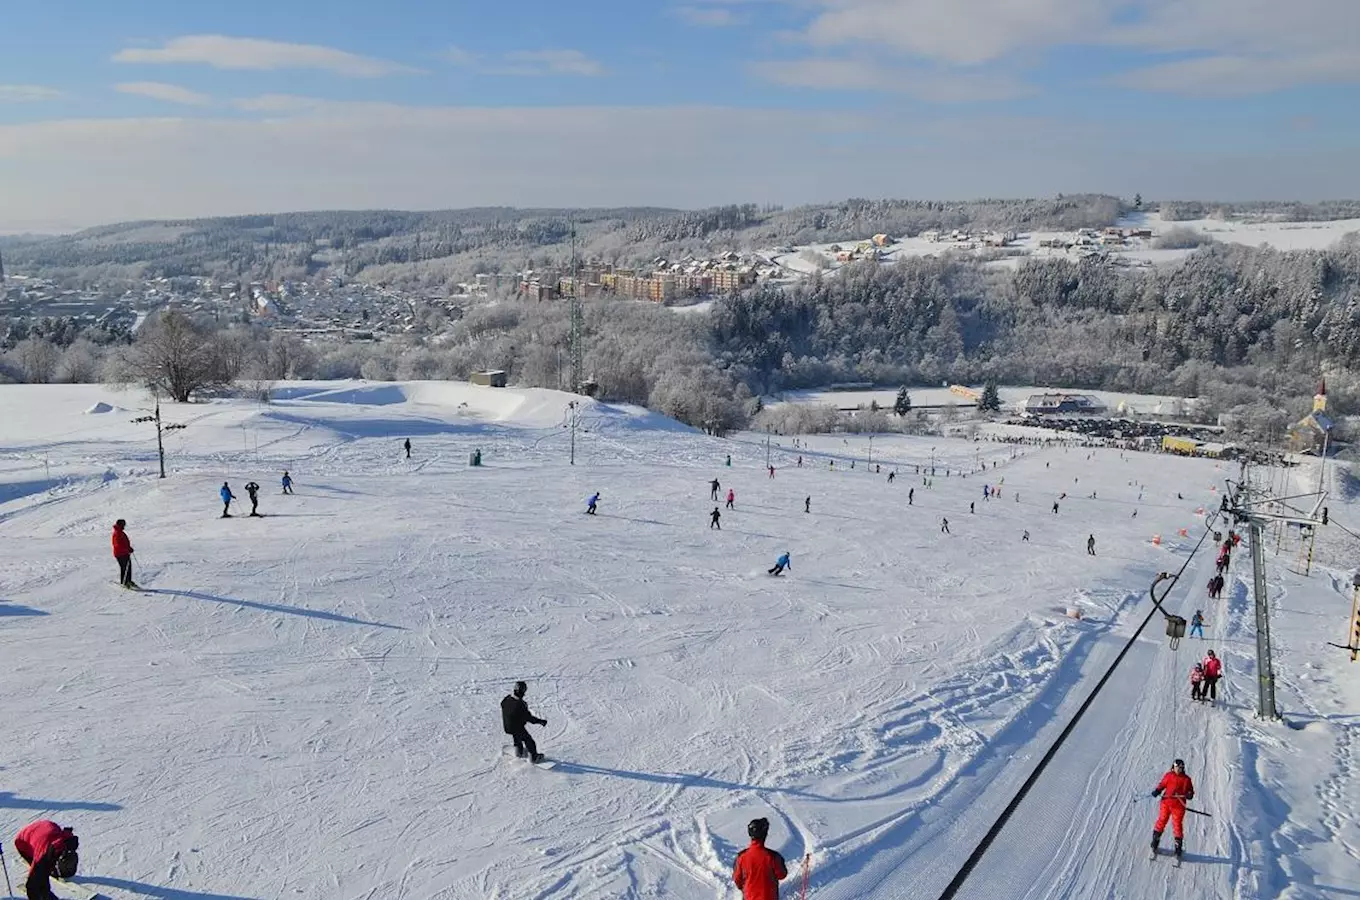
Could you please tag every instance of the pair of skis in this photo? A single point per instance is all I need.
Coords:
(1176, 861)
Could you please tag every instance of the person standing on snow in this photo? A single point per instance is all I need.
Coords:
(944, 525)
(227, 496)
(807, 504)
(713, 488)
(515, 716)
(1197, 682)
(407, 445)
(758, 869)
(1055, 507)
(591, 502)
(122, 551)
(771, 471)
(911, 496)
(713, 518)
(253, 492)
(1213, 670)
(1025, 537)
(49, 850)
(1197, 623)
(731, 498)
(781, 564)
(1091, 544)
(1175, 789)
(287, 482)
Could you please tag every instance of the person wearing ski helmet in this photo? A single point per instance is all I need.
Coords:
(1197, 682)
(122, 553)
(1175, 789)
(49, 849)
(515, 716)
(758, 869)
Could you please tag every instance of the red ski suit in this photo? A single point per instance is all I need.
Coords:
(122, 545)
(33, 841)
(1175, 788)
(757, 872)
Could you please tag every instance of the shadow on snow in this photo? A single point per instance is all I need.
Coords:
(275, 607)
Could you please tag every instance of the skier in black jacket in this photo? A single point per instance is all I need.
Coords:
(515, 716)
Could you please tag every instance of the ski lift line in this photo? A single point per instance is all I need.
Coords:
(952, 889)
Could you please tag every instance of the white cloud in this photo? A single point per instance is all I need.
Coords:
(706, 16)
(824, 73)
(1239, 46)
(528, 62)
(222, 52)
(28, 93)
(312, 154)
(170, 93)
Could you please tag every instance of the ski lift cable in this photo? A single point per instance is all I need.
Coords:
(980, 850)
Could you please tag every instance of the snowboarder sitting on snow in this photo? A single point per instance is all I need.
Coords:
(758, 869)
(49, 849)
(591, 502)
(781, 564)
(122, 551)
(287, 482)
(1175, 788)
(1197, 682)
(515, 716)
(1213, 670)
(253, 492)
(713, 518)
(1197, 621)
(227, 496)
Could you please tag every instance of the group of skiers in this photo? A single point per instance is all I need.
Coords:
(1204, 678)
(253, 492)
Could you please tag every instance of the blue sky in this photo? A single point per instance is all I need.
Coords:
(162, 108)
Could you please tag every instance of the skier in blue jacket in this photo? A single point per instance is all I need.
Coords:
(227, 496)
(781, 564)
(590, 503)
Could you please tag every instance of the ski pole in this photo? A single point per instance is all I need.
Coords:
(1198, 812)
(9, 888)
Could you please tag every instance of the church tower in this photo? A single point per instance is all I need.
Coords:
(1320, 398)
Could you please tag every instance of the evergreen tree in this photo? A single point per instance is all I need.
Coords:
(1137, 201)
(902, 405)
(990, 401)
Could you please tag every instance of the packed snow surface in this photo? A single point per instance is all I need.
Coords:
(306, 704)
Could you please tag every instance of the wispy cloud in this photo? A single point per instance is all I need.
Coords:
(706, 16)
(845, 74)
(223, 52)
(170, 93)
(528, 62)
(28, 93)
(1235, 46)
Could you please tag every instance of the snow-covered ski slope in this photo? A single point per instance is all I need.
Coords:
(305, 705)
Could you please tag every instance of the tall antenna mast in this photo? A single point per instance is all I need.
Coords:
(577, 323)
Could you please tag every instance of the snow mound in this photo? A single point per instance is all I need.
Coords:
(98, 408)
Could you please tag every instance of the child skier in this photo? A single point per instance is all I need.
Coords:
(591, 502)
(515, 716)
(227, 496)
(731, 498)
(122, 552)
(1197, 622)
(287, 482)
(1197, 682)
(253, 492)
(713, 518)
(1175, 788)
(781, 564)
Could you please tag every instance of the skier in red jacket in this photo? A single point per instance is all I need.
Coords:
(1175, 788)
(49, 850)
(1213, 670)
(758, 869)
(122, 551)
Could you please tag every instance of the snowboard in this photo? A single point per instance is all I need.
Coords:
(74, 890)
(542, 764)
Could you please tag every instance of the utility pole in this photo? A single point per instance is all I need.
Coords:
(577, 319)
(767, 446)
(160, 443)
(1243, 505)
(572, 407)
(871, 451)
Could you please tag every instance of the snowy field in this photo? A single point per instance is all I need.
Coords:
(806, 260)
(305, 705)
(1012, 399)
